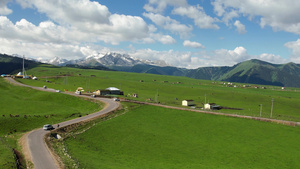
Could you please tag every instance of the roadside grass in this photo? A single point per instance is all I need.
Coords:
(59, 146)
(156, 137)
(171, 90)
(7, 156)
(24, 109)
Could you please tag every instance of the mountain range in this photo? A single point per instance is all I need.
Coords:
(108, 59)
(252, 71)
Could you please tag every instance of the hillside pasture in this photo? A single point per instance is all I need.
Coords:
(24, 109)
(155, 137)
(171, 90)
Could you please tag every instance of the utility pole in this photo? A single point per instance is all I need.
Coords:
(156, 96)
(272, 107)
(260, 109)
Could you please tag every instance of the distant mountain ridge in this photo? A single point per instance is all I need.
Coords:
(14, 64)
(252, 71)
(108, 59)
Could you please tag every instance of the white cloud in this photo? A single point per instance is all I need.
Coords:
(239, 54)
(201, 19)
(158, 6)
(240, 27)
(181, 7)
(294, 46)
(229, 16)
(43, 50)
(4, 10)
(231, 57)
(188, 43)
(164, 39)
(175, 58)
(45, 32)
(170, 24)
(93, 19)
(279, 14)
(272, 58)
(221, 57)
(72, 12)
(192, 60)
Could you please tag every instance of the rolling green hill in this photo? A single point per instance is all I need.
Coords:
(252, 71)
(24, 109)
(155, 137)
(259, 72)
(216, 140)
(171, 90)
(10, 64)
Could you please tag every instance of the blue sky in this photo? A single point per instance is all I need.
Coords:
(183, 33)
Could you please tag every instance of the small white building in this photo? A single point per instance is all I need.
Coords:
(188, 103)
(211, 106)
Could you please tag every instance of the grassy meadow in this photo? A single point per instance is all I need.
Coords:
(24, 109)
(171, 90)
(155, 137)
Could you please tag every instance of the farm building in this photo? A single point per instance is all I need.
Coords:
(188, 103)
(102, 92)
(110, 90)
(211, 106)
(5, 75)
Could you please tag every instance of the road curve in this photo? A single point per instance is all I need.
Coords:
(40, 154)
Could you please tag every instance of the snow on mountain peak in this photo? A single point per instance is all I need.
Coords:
(57, 61)
(107, 59)
(95, 56)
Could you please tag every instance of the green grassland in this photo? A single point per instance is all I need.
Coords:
(171, 90)
(23, 109)
(155, 137)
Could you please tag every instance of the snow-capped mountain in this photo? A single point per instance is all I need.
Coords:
(116, 59)
(57, 61)
(108, 59)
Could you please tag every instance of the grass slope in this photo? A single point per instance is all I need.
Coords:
(24, 109)
(155, 137)
(172, 90)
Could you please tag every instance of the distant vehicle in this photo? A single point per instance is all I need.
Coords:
(116, 99)
(45, 87)
(78, 92)
(48, 127)
(93, 95)
(58, 91)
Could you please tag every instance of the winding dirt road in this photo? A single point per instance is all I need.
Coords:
(39, 152)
